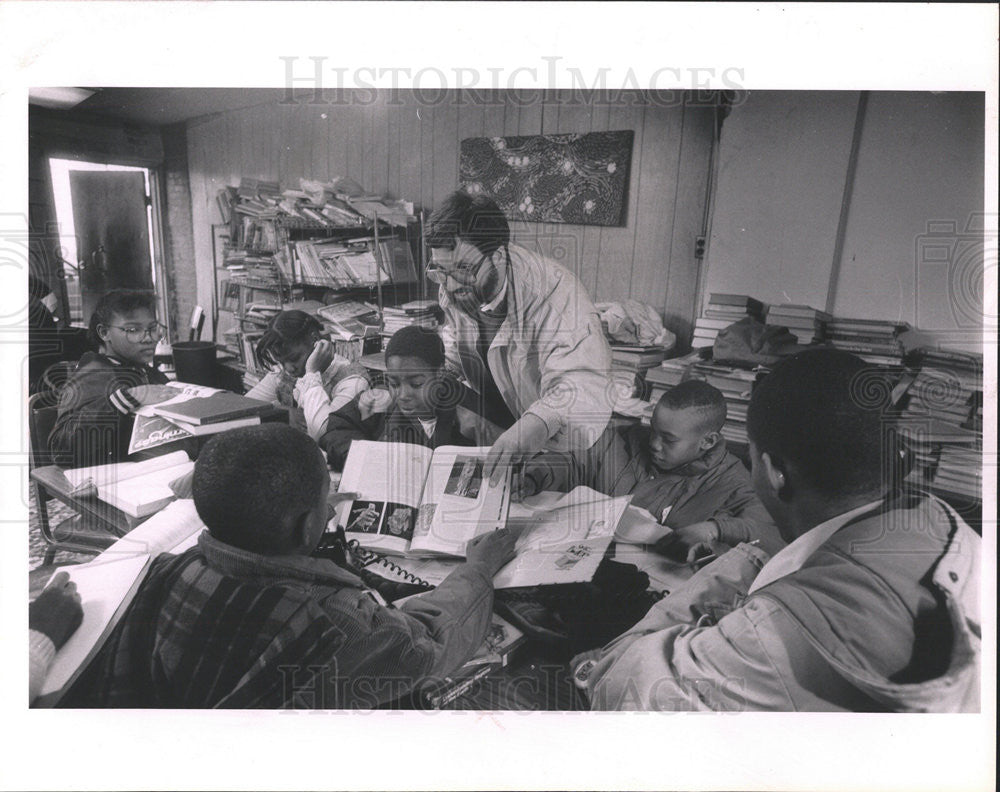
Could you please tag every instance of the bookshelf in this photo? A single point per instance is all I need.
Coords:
(277, 248)
(935, 403)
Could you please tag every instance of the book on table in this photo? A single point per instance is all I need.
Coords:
(563, 538)
(213, 408)
(136, 488)
(188, 410)
(107, 586)
(417, 501)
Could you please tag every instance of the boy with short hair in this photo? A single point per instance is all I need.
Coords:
(98, 403)
(678, 469)
(249, 619)
(873, 605)
(422, 405)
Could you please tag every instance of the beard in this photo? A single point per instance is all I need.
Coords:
(470, 298)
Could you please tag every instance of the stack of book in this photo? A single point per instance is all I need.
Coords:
(333, 263)
(807, 324)
(959, 472)
(248, 267)
(502, 640)
(942, 421)
(735, 384)
(722, 311)
(348, 319)
(422, 313)
(668, 374)
(631, 362)
(874, 340)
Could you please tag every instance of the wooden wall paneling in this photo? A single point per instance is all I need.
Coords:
(393, 127)
(493, 114)
(600, 119)
(355, 143)
(656, 202)
(381, 180)
(682, 300)
(371, 180)
(574, 116)
(336, 141)
(260, 162)
(529, 122)
(319, 159)
(244, 134)
(618, 244)
(410, 130)
(200, 148)
(426, 114)
(302, 143)
(445, 165)
(230, 160)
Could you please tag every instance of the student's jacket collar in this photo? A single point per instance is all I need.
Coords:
(236, 562)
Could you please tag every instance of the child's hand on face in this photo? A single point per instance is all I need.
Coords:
(320, 358)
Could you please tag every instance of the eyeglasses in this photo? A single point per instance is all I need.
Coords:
(136, 334)
(463, 274)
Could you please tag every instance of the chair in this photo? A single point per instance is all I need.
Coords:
(76, 534)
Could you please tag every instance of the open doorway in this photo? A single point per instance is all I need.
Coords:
(108, 232)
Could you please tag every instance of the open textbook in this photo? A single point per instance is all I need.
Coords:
(136, 488)
(564, 537)
(419, 502)
(107, 586)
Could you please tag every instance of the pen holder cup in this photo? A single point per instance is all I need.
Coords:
(195, 362)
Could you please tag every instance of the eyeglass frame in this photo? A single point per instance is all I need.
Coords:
(433, 273)
(161, 330)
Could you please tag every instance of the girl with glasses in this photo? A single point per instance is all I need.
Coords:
(98, 402)
(307, 377)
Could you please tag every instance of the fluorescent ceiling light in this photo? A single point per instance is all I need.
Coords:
(58, 97)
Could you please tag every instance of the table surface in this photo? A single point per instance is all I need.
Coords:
(102, 515)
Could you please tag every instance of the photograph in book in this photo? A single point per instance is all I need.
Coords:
(466, 478)
(416, 501)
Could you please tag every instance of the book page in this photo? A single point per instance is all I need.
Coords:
(562, 542)
(101, 475)
(637, 526)
(389, 477)
(458, 503)
(146, 493)
(105, 587)
(164, 532)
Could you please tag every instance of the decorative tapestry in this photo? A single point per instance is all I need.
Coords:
(575, 178)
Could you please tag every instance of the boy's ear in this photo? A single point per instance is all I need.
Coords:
(773, 473)
(304, 532)
(710, 440)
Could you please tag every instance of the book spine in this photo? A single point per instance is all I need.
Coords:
(460, 687)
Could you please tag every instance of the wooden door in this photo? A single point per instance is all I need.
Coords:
(109, 213)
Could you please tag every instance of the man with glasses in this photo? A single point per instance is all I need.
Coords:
(526, 335)
(98, 403)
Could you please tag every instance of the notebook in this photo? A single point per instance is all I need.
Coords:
(136, 488)
(213, 409)
(106, 587)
